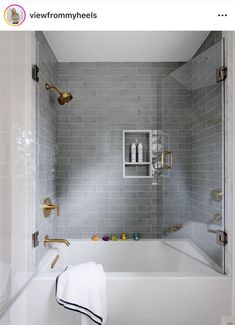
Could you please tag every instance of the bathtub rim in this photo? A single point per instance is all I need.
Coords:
(44, 271)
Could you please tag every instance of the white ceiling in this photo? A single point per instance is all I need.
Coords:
(125, 46)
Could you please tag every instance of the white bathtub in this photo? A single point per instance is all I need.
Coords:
(148, 283)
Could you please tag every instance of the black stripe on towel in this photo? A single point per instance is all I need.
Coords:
(72, 304)
(79, 311)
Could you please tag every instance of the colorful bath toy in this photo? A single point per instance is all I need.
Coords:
(173, 228)
(106, 238)
(114, 237)
(136, 236)
(123, 236)
(95, 237)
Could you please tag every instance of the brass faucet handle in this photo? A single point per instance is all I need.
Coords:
(217, 195)
(57, 207)
(53, 207)
(48, 207)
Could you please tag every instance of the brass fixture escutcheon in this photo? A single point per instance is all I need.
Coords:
(47, 207)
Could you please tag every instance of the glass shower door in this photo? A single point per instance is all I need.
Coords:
(193, 188)
(17, 167)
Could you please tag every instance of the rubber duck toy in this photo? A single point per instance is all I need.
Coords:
(95, 237)
(136, 236)
(123, 236)
(106, 238)
(114, 237)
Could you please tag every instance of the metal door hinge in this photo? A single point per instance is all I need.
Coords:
(221, 237)
(35, 71)
(221, 73)
(35, 239)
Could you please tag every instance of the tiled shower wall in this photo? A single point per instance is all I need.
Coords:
(206, 134)
(200, 169)
(206, 128)
(46, 138)
(198, 153)
(177, 124)
(207, 149)
(212, 39)
(86, 140)
(108, 98)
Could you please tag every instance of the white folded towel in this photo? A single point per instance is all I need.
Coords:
(82, 288)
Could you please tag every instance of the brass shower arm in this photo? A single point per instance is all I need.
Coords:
(48, 87)
(63, 98)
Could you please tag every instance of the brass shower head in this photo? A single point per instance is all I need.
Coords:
(63, 98)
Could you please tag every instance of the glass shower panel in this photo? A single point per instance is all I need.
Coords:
(17, 167)
(192, 190)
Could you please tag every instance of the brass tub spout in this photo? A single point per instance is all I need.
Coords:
(48, 240)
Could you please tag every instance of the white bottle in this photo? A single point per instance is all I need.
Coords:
(140, 152)
(133, 152)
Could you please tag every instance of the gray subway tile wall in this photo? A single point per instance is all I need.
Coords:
(207, 147)
(80, 145)
(46, 138)
(177, 123)
(213, 38)
(108, 98)
(198, 154)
